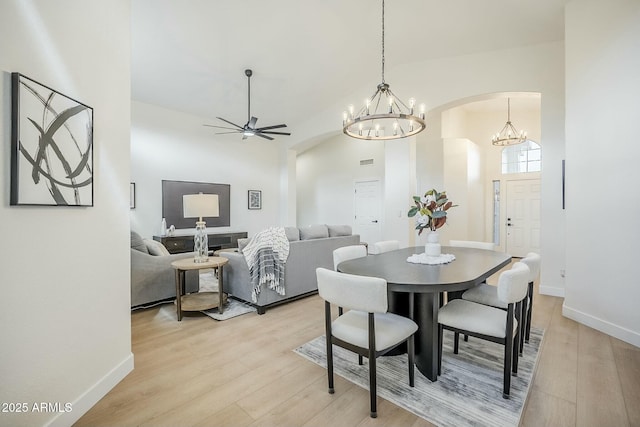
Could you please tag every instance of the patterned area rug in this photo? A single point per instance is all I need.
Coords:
(232, 308)
(468, 393)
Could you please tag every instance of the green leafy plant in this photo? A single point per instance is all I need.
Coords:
(430, 210)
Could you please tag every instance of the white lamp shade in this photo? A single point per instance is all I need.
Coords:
(200, 205)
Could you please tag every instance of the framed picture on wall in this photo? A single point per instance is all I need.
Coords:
(255, 199)
(51, 146)
(132, 195)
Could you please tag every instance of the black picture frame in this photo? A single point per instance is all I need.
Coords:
(254, 199)
(563, 183)
(51, 146)
(132, 195)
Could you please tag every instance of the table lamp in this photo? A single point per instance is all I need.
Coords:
(200, 206)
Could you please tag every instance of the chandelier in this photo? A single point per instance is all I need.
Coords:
(384, 116)
(509, 135)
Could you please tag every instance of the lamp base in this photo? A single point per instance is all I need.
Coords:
(200, 243)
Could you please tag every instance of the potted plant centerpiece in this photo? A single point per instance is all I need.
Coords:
(430, 211)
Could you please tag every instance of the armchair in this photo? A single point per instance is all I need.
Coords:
(152, 277)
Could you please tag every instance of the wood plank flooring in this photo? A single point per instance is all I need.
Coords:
(242, 372)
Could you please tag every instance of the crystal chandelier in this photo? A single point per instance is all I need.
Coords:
(384, 116)
(509, 135)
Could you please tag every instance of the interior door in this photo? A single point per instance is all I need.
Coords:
(523, 217)
(368, 208)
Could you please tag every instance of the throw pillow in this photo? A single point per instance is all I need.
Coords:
(242, 243)
(314, 232)
(293, 234)
(156, 248)
(137, 243)
(339, 230)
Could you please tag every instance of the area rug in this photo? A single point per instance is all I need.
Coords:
(233, 308)
(468, 393)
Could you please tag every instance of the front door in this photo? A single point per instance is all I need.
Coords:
(367, 201)
(523, 217)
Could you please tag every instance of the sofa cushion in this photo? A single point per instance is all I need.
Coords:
(155, 248)
(242, 243)
(293, 234)
(137, 243)
(314, 232)
(339, 230)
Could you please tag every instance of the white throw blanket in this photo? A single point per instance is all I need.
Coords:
(266, 254)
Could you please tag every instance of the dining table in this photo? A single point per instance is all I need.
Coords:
(417, 290)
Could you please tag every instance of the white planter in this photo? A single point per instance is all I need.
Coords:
(432, 247)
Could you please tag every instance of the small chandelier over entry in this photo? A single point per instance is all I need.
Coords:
(509, 135)
(384, 116)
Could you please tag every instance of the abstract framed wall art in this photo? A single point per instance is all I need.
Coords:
(51, 146)
(255, 199)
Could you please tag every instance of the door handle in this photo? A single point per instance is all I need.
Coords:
(375, 220)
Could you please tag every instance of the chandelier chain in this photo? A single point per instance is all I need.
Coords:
(384, 116)
(382, 41)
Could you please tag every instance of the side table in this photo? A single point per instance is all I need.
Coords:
(201, 300)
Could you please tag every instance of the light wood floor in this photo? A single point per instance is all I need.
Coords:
(242, 372)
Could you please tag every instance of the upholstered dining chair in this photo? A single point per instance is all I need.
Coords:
(532, 260)
(346, 253)
(490, 323)
(468, 244)
(384, 246)
(367, 328)
(488, 295)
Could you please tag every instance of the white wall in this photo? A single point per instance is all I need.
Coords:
(65, 318)
(399, 189)
(603, 203)
(463, 182)
(172, 145)
(326, 175)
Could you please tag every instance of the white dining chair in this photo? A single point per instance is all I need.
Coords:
(468, 244)
(367, 328)
(347, 253)
(533, 260)
(490, 323)
(384, 246)
(488, 295)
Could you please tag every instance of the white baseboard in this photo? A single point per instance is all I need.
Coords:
(608, 328)
(89, 398)
(551, 291)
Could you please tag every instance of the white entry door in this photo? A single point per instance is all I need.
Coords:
(368, 208)
(523, 217)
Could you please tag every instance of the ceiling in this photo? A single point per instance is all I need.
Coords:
(190, 55)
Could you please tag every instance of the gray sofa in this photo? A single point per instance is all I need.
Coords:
(309, 248)
(152, 277)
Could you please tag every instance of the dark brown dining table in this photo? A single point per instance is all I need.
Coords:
(415, 290)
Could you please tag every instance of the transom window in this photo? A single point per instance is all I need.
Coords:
(522, 158)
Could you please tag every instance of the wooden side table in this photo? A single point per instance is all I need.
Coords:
(201, 300)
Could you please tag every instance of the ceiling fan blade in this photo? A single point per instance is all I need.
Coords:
(263, 136)
(272, 127)
(222, 127)
(274, 133)
(227, 121)
(252, 122)
(225, 133)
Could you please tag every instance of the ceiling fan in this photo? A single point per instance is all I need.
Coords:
(250, 129)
